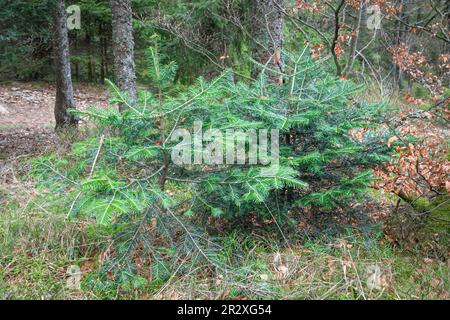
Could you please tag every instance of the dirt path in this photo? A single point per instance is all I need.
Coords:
(26, 115)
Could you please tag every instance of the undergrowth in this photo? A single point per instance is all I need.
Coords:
(37, 248)
(139, 226)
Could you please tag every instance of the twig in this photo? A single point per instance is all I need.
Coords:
(102, 139)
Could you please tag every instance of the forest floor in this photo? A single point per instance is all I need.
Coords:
(37, 246)
(27, 119)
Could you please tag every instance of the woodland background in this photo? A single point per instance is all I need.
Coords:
(360, 208)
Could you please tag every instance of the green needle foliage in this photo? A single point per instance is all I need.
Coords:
(321, 165)
(125, 179)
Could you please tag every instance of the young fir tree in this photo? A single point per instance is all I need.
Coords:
(321, 164)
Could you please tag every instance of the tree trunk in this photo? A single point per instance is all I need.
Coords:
(399, 34)
(267, 33)
(89, 61)
(64, 89)
(123, 48)
(102, 55)
(337, 28)
(354, 41)
(77, 64)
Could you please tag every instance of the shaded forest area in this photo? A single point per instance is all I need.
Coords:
(224, 149)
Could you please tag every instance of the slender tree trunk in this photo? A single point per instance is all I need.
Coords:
(354, 41)
(398, 74)
(105, 53)
(90, 67)
(123, 47)
(337, 28)
(446, 45)
(77, 64)
(102, 64)
(64, 89)
(267, 33)
(102, 55)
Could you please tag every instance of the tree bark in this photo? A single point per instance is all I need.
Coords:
(64, 89)
(267, 33)
(102, 54)
(123, 48)
(354, 41)
(90, 66)
(77, 64)
(337, 28)
(399, 35)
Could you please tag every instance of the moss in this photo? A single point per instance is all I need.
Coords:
(447, 93)
(439, 219)
(438, 212)
(420, 92)
(421, 205)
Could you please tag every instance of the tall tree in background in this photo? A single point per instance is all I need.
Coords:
(358, 6)
(267, 34)
(400, 33)
(64, 89)
(123, 47)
